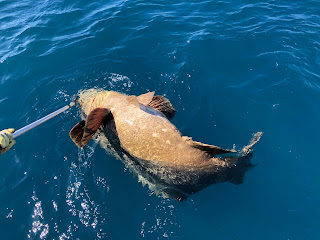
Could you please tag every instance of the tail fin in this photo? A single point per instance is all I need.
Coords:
(242, 165)
(247, 149)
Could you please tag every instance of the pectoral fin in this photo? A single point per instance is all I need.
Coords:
(211, 150)
(83, 131)
(163, 105)
(94, 120)
(76, 133)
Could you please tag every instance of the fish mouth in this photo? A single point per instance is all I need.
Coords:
(87, 96)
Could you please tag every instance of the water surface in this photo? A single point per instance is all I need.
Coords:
(231, 68)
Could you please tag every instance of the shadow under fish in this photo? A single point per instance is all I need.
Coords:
(113, 118)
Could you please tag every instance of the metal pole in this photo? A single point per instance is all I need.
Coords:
(41, 120)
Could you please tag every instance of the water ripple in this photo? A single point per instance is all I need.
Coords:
(211, 52)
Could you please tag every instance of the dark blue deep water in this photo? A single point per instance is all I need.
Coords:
(231, 68)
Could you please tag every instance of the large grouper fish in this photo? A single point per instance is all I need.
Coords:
(137, 130)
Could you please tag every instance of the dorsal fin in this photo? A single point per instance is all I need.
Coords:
(93, 122)
(209, 149)
(163, 105)
(76, 133)
(133, 100)
(146, 98)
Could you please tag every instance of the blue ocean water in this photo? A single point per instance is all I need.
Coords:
(231, 68)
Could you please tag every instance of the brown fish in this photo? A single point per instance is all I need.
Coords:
(137, 130)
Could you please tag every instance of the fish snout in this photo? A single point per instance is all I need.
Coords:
(85, 98)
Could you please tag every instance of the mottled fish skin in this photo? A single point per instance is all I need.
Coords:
(154, 149)
(148, 136)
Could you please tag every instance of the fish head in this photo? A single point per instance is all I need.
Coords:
(90, 99)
